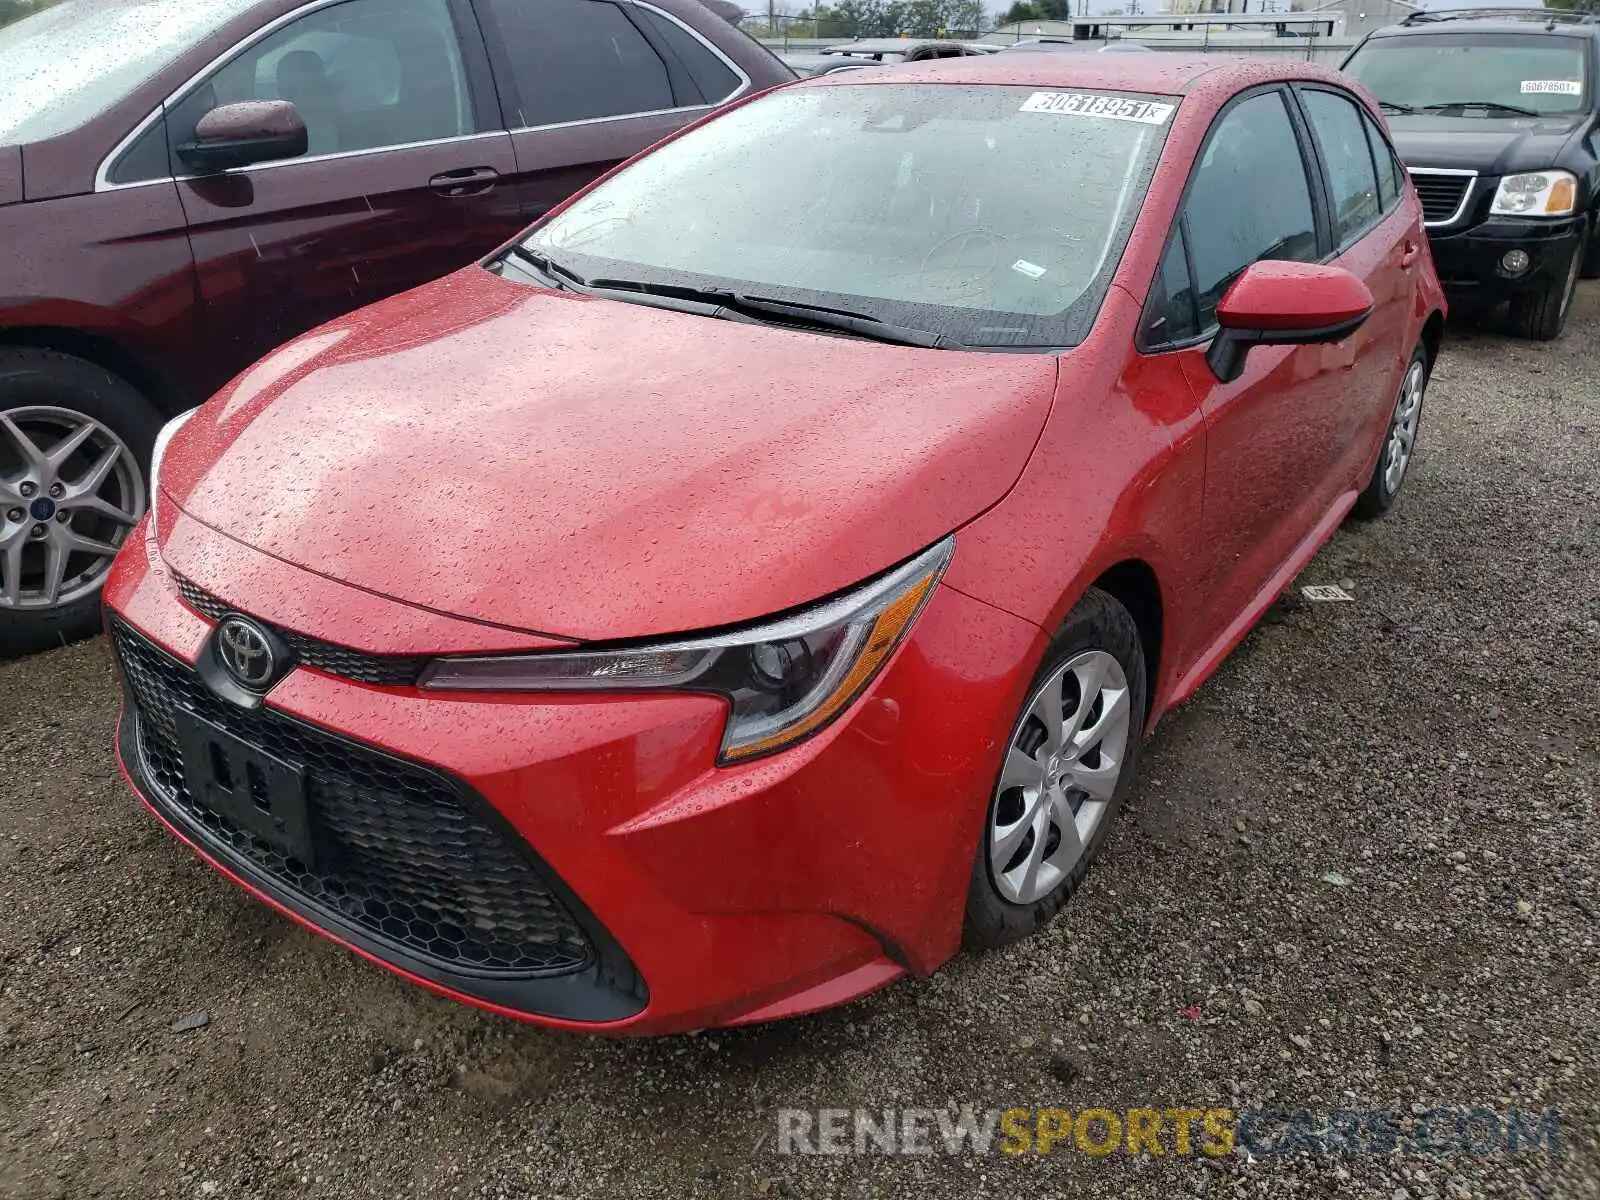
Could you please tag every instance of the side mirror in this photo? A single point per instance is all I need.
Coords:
(1285, 304)
(237, 135)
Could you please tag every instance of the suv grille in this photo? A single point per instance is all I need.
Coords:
(381, 670)
(1442, 196)
(401, 853)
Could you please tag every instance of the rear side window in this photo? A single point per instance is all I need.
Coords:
(1391, 175)
(711, 76)
(1249, 199)
(575, 60)
(1347, 158)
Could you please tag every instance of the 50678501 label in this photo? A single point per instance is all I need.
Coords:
(1111, 108)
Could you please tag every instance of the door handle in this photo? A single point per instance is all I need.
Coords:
(1409, 253)
(468, 181)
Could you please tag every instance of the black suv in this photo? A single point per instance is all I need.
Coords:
(1494, 112)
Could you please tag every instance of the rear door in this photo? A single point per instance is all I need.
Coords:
(1377, 242)
(407, 176)
(586, 84)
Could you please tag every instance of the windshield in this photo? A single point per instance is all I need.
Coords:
(992, 216)
(71, 62)
(1475, 75)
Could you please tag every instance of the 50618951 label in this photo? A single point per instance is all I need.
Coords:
(1111, 108)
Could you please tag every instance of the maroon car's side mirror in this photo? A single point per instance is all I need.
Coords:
(237, 135)
(1285, 303)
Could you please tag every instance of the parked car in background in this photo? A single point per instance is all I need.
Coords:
(1495, 114)
(807, 65)
(1069, 46)
(185, 184)
(903, 50)
(764, 574)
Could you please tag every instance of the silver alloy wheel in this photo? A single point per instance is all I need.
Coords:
(70, 490)
(1060, 773)
(1403, 429)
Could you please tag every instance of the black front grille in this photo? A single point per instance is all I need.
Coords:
(1441, 195)
(402, 852)
(382, 670)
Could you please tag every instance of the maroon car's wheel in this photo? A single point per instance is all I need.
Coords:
(74, 444)
(1070, 760)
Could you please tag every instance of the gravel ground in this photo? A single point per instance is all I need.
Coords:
(1432, 745)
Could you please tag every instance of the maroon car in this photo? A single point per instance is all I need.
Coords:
(186, 184)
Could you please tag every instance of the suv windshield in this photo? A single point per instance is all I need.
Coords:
(989, 216)
(1481, 75)
(71, 62)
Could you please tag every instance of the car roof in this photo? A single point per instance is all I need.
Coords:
(1546, 22)
(1163, 73)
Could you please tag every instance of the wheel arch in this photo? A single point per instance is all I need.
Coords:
(1133, 583)
(104, 352)
(1433, 336)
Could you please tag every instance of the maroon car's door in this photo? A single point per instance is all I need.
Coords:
(405, 179)
(585, 84)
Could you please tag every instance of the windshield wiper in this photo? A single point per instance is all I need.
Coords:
(1396, 106)
(559, 276)
(1493, 105)
(815, 316)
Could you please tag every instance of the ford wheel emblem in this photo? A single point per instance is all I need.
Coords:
(246, 652)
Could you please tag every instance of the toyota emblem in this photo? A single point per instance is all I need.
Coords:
(246, 652)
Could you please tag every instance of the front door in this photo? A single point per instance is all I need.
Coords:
(1269, 433)
(404, 179)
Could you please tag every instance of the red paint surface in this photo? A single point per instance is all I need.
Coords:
(475, 465)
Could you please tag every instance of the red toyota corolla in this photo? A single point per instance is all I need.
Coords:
(767, 569)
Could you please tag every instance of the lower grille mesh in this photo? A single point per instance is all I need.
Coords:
(400, 854)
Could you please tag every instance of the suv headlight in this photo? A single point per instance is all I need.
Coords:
(1536, 194)
(784, 680)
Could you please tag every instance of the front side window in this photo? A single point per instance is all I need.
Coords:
(1250, 199)
(576, 60)
(364, 75)
(71, 62)
(1477, 76)
(1347, 159)
(985, 214)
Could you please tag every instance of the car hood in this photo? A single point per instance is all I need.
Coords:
(591, 469)
(1490, 146)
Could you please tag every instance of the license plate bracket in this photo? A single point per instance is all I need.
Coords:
(257, 792)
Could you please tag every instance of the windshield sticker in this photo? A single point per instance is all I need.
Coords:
(1023, 267)
(1111, 108)
(1553, 87)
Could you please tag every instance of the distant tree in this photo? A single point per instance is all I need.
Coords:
(1037, 10)
(15, 10)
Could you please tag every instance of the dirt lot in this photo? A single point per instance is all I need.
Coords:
(1432, 744)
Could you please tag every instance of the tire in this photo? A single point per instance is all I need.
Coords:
(1098, 631)
(1399, 441)
(1541, 316)
(46, 398)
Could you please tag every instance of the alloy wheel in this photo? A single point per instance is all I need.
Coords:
(1403, 429)
(1060, 773)
(70, 491)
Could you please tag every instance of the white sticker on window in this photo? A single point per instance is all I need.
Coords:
(1554, 87)
(1023, 267)
(1112, 108)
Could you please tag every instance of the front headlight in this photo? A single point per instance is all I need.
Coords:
(784, 680)
(1536, 194)
(159, 452)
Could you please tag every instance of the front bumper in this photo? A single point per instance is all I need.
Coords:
(666, 893)
(1469, 261)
